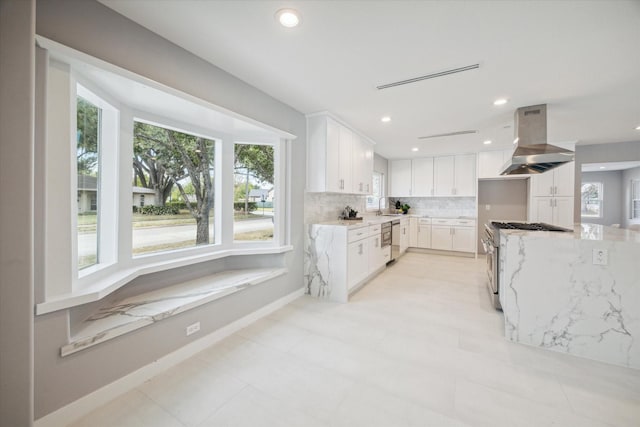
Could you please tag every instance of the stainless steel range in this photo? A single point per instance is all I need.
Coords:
(491, 244)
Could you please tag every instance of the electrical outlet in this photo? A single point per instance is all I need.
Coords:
(192, 329)
(487, 207)
(600, 257)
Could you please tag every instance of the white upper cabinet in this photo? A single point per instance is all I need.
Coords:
(422, 177)
(490, 163)
(434, 176)
(455, 175)
(362, 173)
(443, 171)
(465, 175)
(400, 172)
(338, 160)
(556, 182)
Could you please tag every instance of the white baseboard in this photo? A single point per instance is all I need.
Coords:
(75, 410)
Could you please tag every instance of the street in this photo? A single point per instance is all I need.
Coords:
(151, 236)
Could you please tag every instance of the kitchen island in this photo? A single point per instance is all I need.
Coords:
(575, 292)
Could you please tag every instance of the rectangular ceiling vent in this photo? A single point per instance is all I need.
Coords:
(430, 76)
(460, 132)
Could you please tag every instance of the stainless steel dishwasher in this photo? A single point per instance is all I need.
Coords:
(395, 239)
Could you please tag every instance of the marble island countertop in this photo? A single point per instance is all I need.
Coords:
(584, 231)
(574, 292)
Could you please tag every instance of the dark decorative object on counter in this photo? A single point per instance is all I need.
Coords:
(350, 214)
(402, 207)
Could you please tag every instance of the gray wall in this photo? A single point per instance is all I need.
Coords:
(92, 28)
(613, 152)
(627, 176)
(507, 199)
(17, 70)
(612, 202)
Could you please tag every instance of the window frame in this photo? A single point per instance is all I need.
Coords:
(634, 189)
(372, 208)
(62, 285)
(599, 200)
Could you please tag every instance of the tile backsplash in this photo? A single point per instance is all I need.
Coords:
(322, 207)
(439, 206)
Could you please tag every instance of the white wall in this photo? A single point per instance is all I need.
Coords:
(507, 200)
(612, 203)
(92, 28)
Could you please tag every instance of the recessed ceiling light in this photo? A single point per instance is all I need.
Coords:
(487, 142)
(602, 167)
(500, 101)
(414, 149)
(288, 17)
(385, 119)
(637, 127)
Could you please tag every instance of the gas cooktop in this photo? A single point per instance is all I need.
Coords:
(529, 226)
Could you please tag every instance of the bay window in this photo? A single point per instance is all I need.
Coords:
(142, 178)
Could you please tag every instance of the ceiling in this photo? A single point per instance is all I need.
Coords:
(609, 166)
(580, 58)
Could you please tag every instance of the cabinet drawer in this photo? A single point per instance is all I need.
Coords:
(444, 221)
(466, 222)
(358, 234)
(424, 221)
(375, 229)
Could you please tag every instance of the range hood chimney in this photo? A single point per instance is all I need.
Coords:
(532, 153)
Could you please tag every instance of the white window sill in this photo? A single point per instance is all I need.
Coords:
(136, 312)
(117, 280)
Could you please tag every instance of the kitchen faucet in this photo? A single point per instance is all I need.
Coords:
(379, 204)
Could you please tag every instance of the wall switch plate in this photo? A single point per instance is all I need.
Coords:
(600, 257)
(192, 329)
(487, 207)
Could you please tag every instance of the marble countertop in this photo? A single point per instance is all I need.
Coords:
(379, 219)
(582, 231)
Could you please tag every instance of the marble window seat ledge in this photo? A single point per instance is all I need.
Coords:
(136, 312)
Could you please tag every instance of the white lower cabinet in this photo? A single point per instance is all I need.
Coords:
(453, 234)
(357, 262)
(413, 232)
(377, 257)
(404, 235)
(553, 210)
(424, 233)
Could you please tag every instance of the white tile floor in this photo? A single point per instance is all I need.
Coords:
(418, 346)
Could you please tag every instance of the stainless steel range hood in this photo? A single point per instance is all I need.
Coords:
(532, 153)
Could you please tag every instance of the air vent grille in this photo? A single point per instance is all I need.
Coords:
(438, 135)
(429, 76)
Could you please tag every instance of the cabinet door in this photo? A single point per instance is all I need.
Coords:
(542, 210)
(463, 239)
(357, 158)
(563, 211)
(490, 163)
(404, 236)
(465, 175)
(334, 178)
(441, 237)
(413, 232)
(367, 166)
(443, 175)
(357, 262)
(542, 184)
(375, 254)
(345, 160)
(424, 236)
(563, 180)
(422, 170)
(400, 171)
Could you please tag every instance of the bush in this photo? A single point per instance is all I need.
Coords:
(239, 206)
(157, 210)
(180, 205)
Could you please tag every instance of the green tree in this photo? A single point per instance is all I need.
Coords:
(87, 123)
(253, 160)
(179, 156)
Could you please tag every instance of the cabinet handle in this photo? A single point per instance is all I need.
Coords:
(360, 249)
(551, 190)
(376, 242)
(555, 190)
